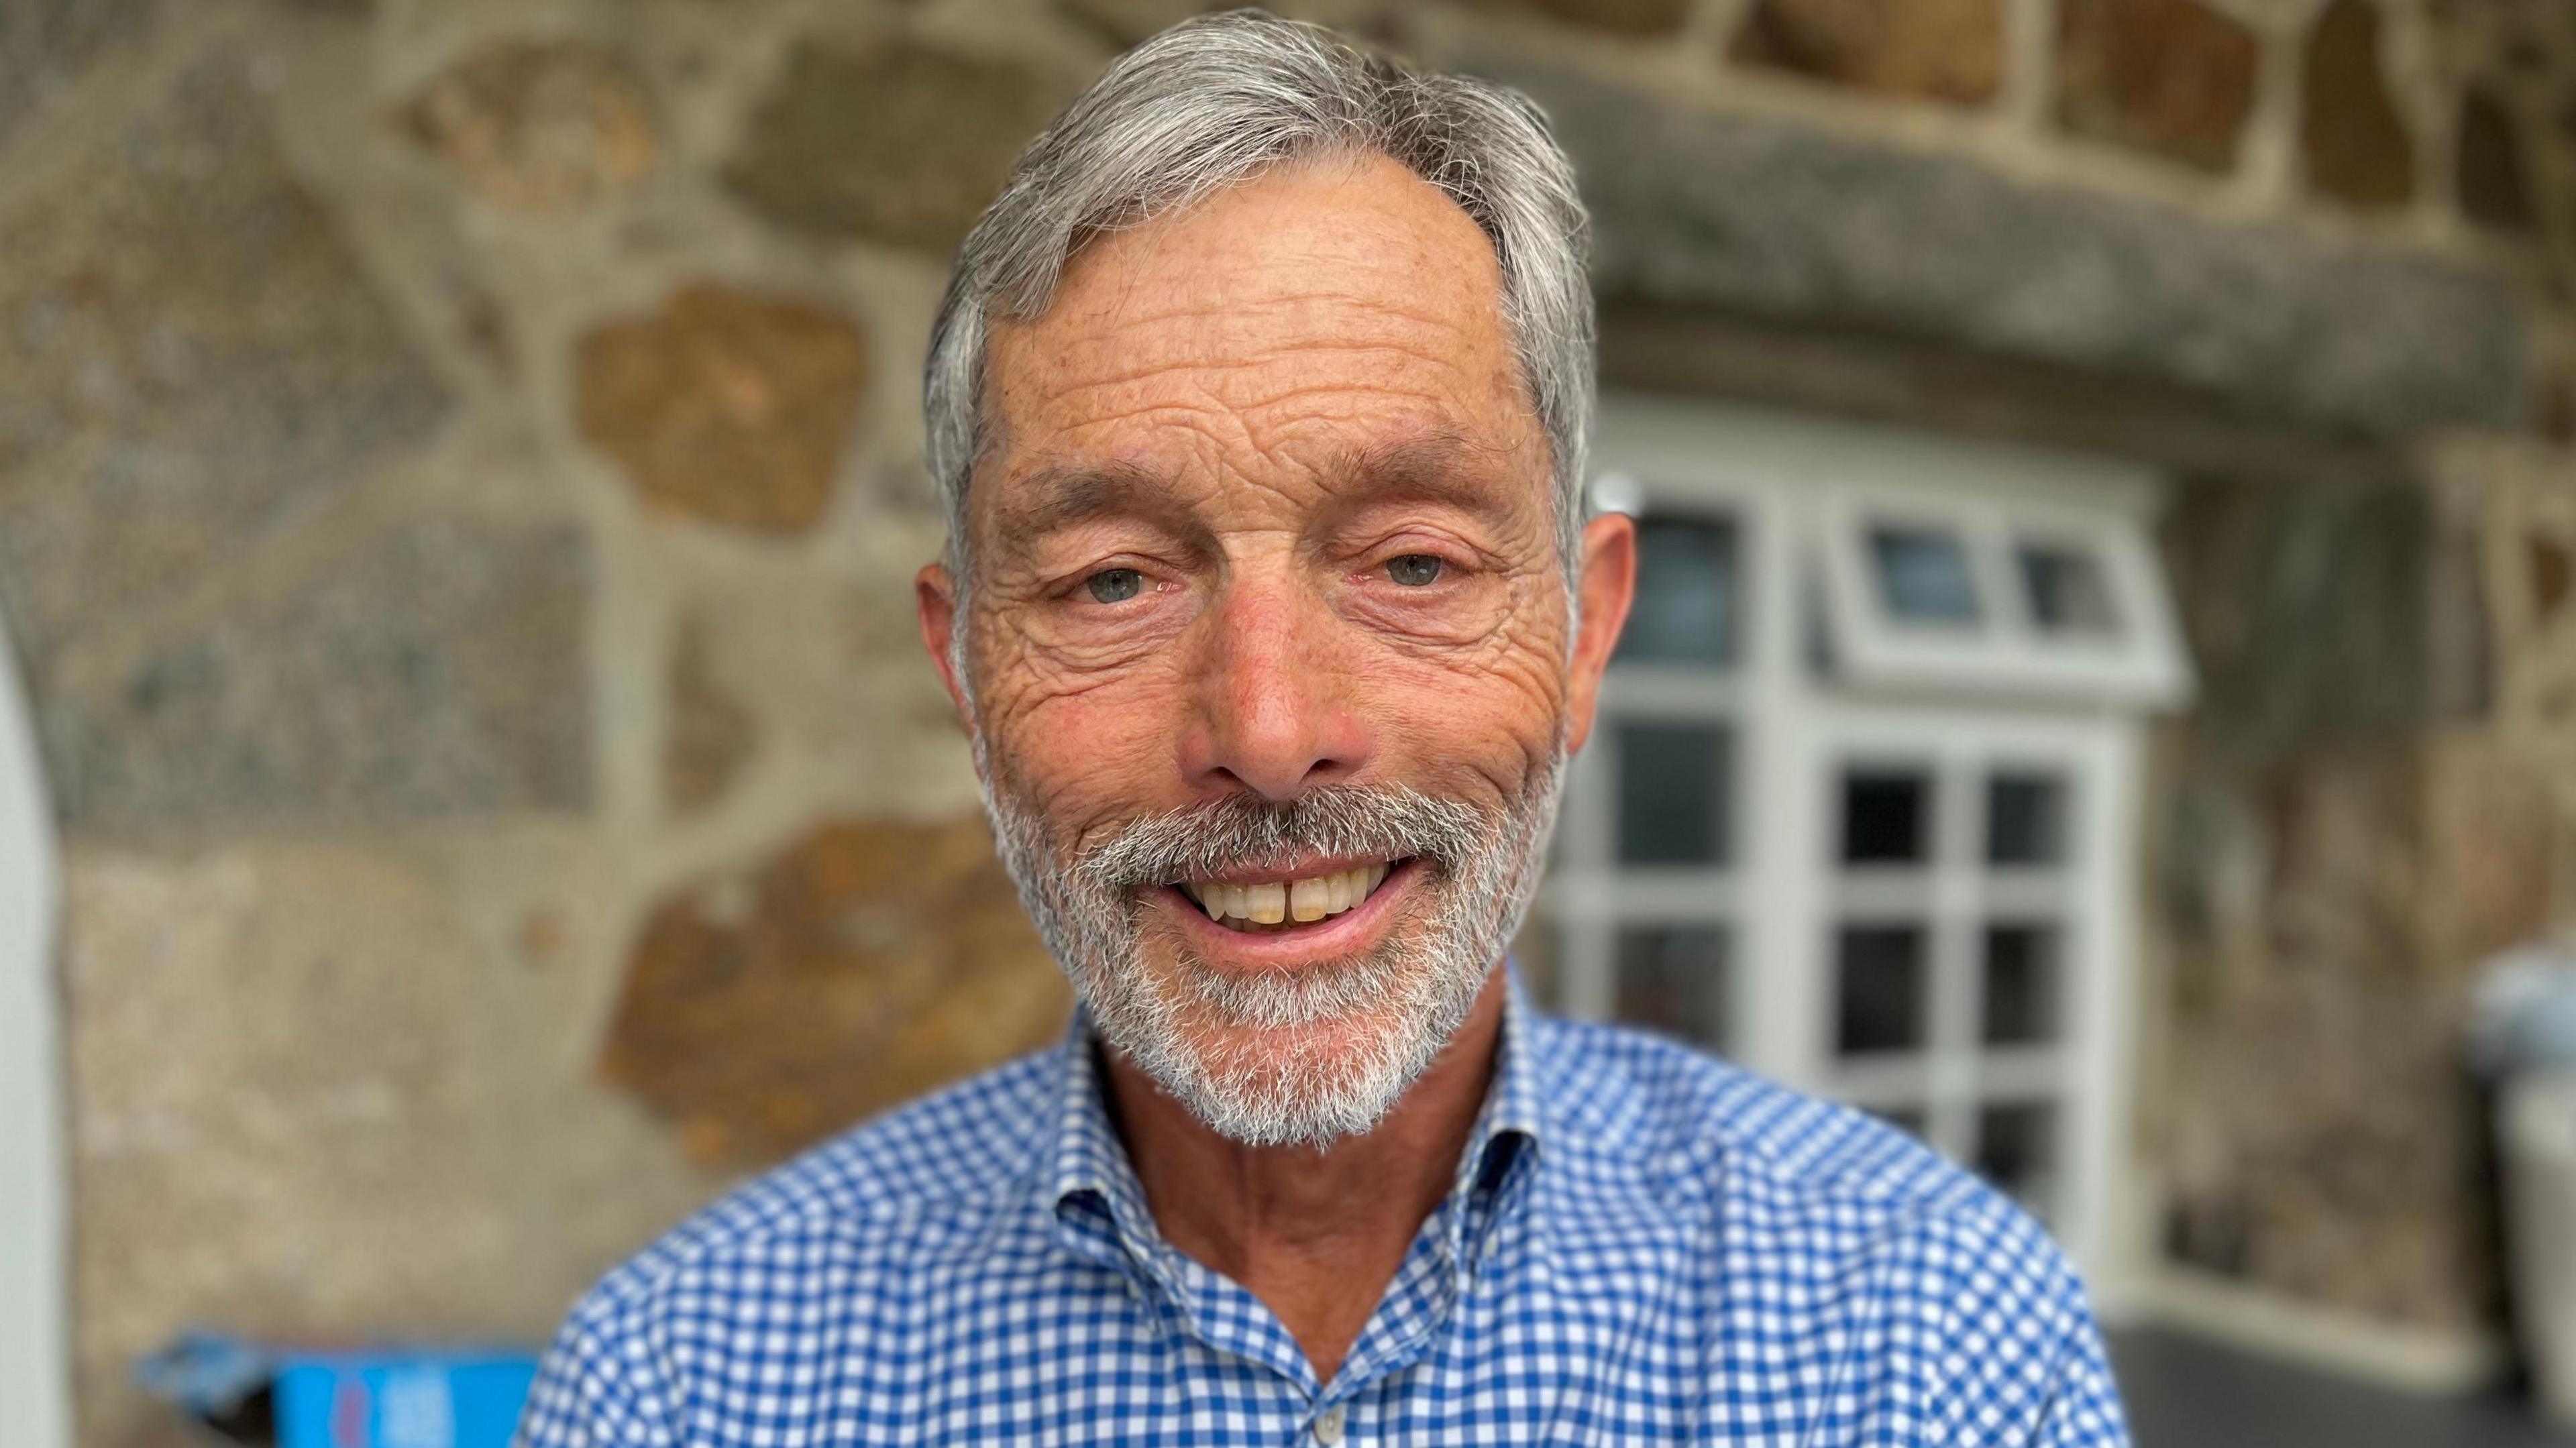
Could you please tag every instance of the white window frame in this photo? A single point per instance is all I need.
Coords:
(2006, 652)
(1956, 894)
(1798, 493)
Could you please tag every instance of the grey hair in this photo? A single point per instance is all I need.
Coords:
(1215, 101)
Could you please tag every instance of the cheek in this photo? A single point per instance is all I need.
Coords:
(1484, 716)
(1087, 746)
(1502, 703)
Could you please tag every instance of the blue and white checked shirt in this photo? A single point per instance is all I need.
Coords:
(1644, 1244)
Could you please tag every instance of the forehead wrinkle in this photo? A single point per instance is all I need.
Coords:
(1174, 338)
(1129, 371)
(1116, 315)
(1143, 374)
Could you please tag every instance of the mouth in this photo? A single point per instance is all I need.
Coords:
(1285, 904)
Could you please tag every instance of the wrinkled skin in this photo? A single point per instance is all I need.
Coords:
(1268, 508)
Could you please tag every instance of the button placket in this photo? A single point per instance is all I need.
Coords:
(1328, 1425)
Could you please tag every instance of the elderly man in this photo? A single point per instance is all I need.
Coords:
(1259, 401)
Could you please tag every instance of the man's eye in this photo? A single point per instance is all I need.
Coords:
(1115, 585)
(1415, 570)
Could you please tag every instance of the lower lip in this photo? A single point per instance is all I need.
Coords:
(1351, 931)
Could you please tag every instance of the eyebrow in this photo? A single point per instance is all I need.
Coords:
(1439, 467)
(1060, 495)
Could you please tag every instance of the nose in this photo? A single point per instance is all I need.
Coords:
(1274, 695)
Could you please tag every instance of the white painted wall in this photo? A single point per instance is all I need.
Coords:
(35, 1371)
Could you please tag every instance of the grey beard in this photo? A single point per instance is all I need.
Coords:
(1342, 1041)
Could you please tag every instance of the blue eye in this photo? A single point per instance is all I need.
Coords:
(1115, 585)
(1414, 570)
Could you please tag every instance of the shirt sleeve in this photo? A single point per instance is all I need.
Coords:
(1974, 1333)
(597, 1387)
(2023, 1363)
(2084, 1404)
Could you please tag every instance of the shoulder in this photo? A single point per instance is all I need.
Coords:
(1700, 1123)
(1929, 1290)
(1792, 1183)
(812, 1252)
(944, 1159)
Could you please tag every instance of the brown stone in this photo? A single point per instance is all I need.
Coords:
(284, 1118)
(1381, 23)
(2296, 656)
(2337, 861)
(1618, 17)
(433, 673)
(712, 735)
(904, 144)
(2551, 566)
(485, 330)
(193, 357)
(2171, 77)
(2489, 823)
(2357, 146)
(538, 125)
(1125, 22)
(45, 45)
(2495, 187)
(1949, 50)
(2558, 409)
(727, 407)
(1796, 228)
(865, 963)
(2316, 1014)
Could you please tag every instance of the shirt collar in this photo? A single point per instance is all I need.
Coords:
(1514, 1114)
(1091, 1164)
(1092, 1174)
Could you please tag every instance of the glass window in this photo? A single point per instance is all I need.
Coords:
(1880, 981)
(2017, 1150)
(2022, 979)
(2025, 819)
(1674, 794)
(1923, 575)
(1915, 591)
(2067, 591)
(1685, 610)
(1887, 817)
(1673, 978)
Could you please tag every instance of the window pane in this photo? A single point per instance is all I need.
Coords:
(1673, 794)
(2025, 819)
(1880, 988)
(2067, 591)
(2022, 979)
(1923, 575)
(1673, 978)
(1887, 817)
(1685, 611)
(2017, 1151)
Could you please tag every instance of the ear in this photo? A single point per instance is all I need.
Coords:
(934, 594)
(1607, 587)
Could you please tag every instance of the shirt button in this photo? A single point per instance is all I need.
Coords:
(1328, 1426)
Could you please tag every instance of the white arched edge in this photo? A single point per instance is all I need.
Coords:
(35, 1367)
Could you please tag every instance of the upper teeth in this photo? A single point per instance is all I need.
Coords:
(1310, 898)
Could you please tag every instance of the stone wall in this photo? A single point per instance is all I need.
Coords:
(460, 480)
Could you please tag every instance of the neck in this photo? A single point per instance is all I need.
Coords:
(1315, 1232)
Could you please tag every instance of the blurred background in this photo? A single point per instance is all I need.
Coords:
(2104, 685)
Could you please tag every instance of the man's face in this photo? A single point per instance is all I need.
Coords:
(1267, 639)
